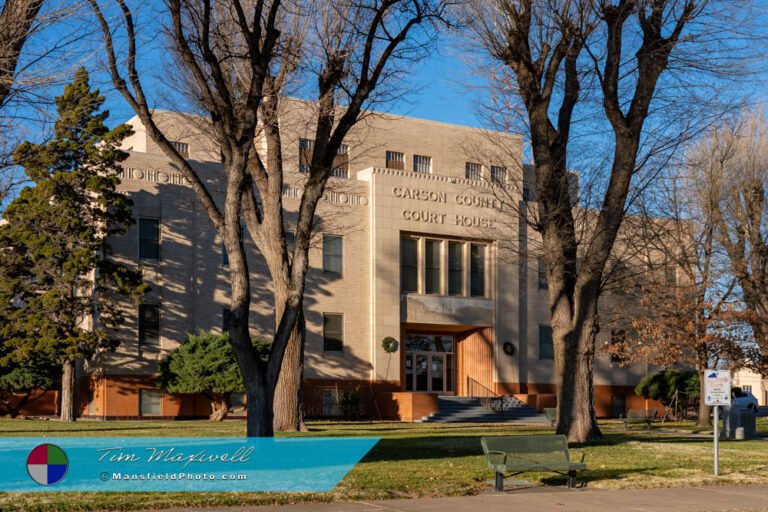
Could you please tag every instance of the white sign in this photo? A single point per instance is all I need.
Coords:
(717, 387)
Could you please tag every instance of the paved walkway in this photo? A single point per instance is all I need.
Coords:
(752, 498)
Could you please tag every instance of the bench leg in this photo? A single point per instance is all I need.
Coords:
(572, 479)
(499, 482)
(625, 424)
(649, 426)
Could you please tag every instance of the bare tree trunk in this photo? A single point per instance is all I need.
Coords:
(288, 399)
(68, 392)
(16, 18)
(219, 406)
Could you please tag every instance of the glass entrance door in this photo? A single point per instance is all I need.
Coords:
(429, 370)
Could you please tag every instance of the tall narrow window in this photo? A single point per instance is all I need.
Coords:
(618, 337)
(409, 265)
(546, 346)
(305, 154)
(542, 274)
(149, 239)
(422, 164)
(395, 160)
(225, 314)
(150, 402)
(498, 175)
(333, 332)
(333, 250)
(473, 171)
(432, 272)
(290, 242)
(341, 163)
(477, 270)
(455, 268)
(149, 327)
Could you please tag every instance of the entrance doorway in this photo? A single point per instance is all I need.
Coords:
(430, 363)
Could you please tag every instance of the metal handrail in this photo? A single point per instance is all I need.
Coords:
(486, 396)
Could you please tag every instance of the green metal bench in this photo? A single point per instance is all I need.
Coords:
(639, 416)
(551, 414)
(512, 455)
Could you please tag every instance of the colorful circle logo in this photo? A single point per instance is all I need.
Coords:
(47, 464)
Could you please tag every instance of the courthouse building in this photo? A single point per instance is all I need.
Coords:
(412, 242)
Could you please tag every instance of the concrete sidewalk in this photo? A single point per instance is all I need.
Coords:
(549, 499)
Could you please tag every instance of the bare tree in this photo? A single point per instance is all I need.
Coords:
(557, 49)
(238, 55)
(736, 155)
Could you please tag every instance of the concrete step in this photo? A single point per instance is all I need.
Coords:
(459, 409)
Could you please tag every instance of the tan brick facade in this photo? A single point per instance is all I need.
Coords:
(373, 209)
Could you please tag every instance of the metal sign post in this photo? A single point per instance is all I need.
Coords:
(717, 392)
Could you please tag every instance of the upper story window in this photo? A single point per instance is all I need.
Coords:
(409, 265)
(422, 164)
(333, 254)
(340, 167)
(546, 345)
(527, 194)
(477, 270)
(305, 154)
(341, 163)
(181, 147)
(473, 171)
(149, 327)
(455, 268)
(542, 273)
(618, 337)
(432, 271)
(498, 175)
(149, 239)
(395, 160)
(333, 332)
(423, 269)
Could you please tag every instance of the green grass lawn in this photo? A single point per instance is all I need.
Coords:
(421, 460)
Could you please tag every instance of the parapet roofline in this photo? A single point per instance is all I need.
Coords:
(394, 117)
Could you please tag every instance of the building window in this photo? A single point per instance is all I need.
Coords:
(149, 239)
(225, 314)
(747, 388)
(473, 171)
(477, 270)
(181, 147)
(409, 265)
(455, 268)
(305, 154)
(341, 163)
(150, 402)
(542, 274)
(432, 257)
(546, 345)
(333, 332)
(395, 160)
(333, 259)
(618, 337)
(149, 327)
(498, 175)
(290, 242)
(527, 196)
(422, 164)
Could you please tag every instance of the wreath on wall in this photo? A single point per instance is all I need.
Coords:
(389, 344)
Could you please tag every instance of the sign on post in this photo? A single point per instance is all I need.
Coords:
(717, 392)
(717, 387)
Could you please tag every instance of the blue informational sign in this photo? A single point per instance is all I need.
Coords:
(174, 464)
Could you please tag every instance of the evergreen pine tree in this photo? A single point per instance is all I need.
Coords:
(59, 291)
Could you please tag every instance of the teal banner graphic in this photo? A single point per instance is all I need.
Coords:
(175, 464)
